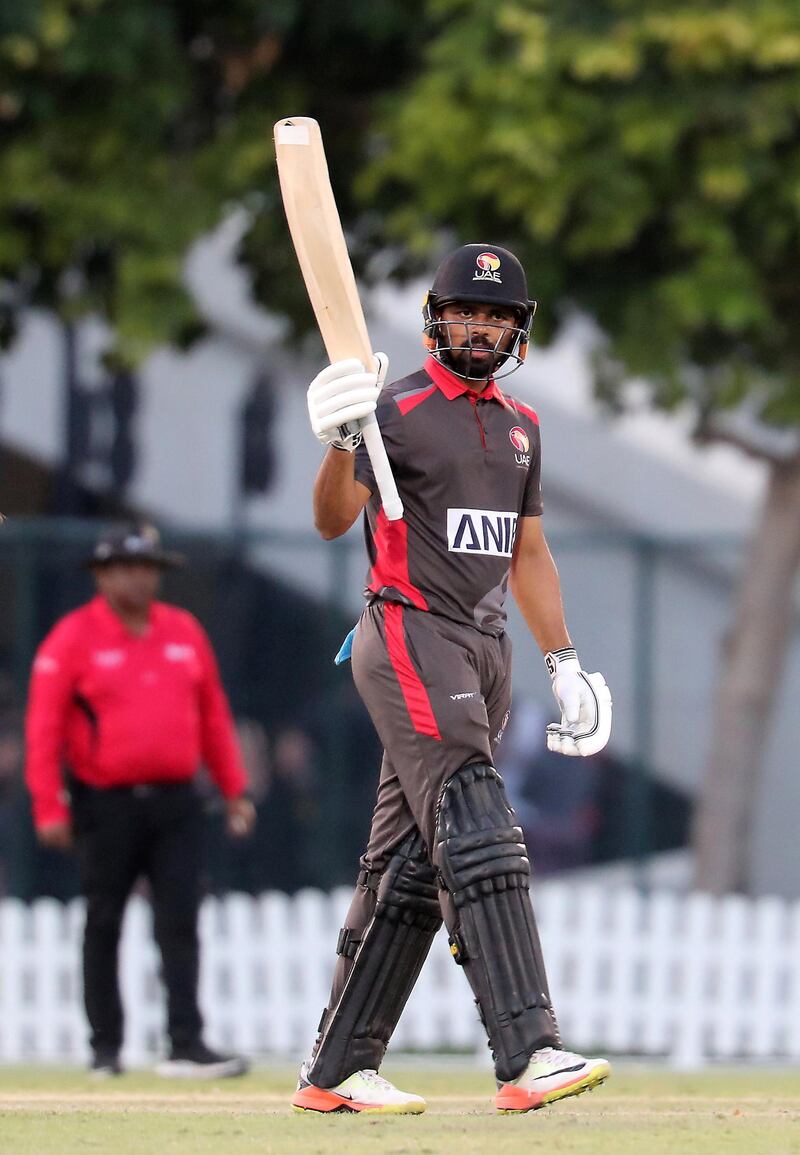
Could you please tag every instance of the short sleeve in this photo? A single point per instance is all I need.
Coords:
(532, 496)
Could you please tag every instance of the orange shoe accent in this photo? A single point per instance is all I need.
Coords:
(313, 1098)
(510, 1098)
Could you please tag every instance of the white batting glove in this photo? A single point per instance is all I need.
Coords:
(585, 704)
(340, 397)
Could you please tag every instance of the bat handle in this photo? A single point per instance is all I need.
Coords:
(392, 505)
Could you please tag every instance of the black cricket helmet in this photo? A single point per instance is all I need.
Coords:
(482, 274)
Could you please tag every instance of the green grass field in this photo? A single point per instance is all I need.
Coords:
(637, 1113)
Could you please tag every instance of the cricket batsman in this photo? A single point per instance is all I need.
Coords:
(432, 662)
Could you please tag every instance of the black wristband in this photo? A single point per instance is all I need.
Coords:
(554, 657)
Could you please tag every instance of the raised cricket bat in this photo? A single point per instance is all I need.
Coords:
(325, 264)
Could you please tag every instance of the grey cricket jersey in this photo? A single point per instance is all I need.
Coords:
(467, 466)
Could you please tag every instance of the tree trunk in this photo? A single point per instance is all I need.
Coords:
(752, 663)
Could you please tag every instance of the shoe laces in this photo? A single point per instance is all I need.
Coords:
(374, 1079)
(553, 1057)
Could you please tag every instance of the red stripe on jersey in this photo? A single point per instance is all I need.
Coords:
(526, 409)
(391, 561)
(416, 696)
(409, 403)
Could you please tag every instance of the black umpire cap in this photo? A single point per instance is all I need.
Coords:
(135, 543)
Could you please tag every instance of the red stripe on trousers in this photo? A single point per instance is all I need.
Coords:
(416, 696)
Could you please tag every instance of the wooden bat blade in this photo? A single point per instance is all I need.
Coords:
(318, 239)
(321, 249)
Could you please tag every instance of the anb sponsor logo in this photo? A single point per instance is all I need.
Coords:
(487, 268)
(485, 531)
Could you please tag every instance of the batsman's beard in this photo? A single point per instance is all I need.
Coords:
(476, 360)
(474, 363)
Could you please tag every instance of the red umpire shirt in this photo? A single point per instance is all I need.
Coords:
(123, 710)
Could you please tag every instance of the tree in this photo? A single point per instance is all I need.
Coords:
(643, 157)
(128, 126)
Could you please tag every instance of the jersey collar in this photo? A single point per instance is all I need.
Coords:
(453, 386)
(104, 613)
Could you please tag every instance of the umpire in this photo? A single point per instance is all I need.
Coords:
(125, 693)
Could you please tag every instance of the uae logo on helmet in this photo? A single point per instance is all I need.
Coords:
(519, 439)
(488, 265)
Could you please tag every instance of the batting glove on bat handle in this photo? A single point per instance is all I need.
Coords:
(341, 397)
(585, 704)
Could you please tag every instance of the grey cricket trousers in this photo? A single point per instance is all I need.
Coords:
(439, 695)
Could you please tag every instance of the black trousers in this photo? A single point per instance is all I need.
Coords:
(122, 834)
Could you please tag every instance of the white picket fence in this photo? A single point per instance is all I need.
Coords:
(688, 977)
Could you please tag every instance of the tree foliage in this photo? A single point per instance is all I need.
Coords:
(644, 158)
(127, 126)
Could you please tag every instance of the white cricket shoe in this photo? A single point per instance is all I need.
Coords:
(365, 1091)
(549, 1076)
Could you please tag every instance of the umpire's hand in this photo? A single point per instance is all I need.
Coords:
(241, 816)
(56, 835)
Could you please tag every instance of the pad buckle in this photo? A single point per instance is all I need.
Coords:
(348, 942)
(369, 879)
(457, 949)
